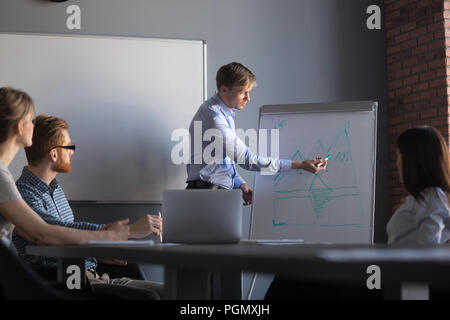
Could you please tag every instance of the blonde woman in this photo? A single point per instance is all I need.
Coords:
(16, 131)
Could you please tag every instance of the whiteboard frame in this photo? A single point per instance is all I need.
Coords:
(341, 106)
(123, 37)
(55, 34)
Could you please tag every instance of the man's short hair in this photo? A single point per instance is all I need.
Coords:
(46, 135)
(234, 74)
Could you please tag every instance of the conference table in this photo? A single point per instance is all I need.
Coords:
(188, 268)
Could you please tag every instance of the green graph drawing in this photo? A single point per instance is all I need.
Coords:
(322, 189)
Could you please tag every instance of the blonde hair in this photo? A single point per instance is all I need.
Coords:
(234, 74)
(14, 106)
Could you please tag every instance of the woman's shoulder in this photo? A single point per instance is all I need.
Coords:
(435, 194)
(435, 201)
(5, 174)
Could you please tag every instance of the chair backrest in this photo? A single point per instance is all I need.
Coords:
(19, 281)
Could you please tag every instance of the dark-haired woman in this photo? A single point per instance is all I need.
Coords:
(423, 165)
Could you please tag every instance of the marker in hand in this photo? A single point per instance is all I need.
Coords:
(328, 157)
(160, 234)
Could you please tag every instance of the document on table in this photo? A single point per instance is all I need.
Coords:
(275, 242)
(131, 243)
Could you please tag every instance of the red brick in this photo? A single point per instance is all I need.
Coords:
(411, 61)
(396, 120)
(392, 15)
(435, 26)
(388, 8)
(394, 32)
(436, 63)
(403, 91)
(437, 83)
(402, 37)
(428, 114)
(410, 80)
(394, 66)
(408, 44)
(428, 94)
(436, 44)
(427, 76)
(418, 32)
(420, 87)
(411, 98)
(419, 68)
(394, 84)
(441, 92)
(439, 121)
(419, 50)
(440, 72)
(393, 49)
(421, 105)
(426, 38)
(408, 27)
(438, 102)
(403, 73)
(439, 34)
(400, 3)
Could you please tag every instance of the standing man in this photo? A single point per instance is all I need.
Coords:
(51, 153)
(234, 83)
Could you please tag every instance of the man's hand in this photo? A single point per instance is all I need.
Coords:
(145, 226)
(118, 230)
(310, 165)
(247, 194)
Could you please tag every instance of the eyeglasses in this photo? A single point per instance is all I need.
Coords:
(70, 147)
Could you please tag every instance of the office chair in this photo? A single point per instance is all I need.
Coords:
(20, 282)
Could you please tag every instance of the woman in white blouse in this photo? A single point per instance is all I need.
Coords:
(423, 166)
(16, 131)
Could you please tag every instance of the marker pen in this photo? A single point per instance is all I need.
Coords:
(328, 157)
(160, 234)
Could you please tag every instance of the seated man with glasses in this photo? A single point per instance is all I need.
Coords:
(51, 153)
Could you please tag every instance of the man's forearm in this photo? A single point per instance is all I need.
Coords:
(297, 165)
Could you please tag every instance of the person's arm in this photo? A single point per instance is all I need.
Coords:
(143, 227)
(33, 228)
(430, 218)
(235, 149)
(37, 206)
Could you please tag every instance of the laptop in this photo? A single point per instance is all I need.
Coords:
(202, 216)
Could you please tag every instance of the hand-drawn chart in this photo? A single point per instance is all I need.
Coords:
(337, 204)
(319, 190)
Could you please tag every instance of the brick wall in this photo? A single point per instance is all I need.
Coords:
(417, 75)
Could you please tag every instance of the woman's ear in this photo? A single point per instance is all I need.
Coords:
(18, 129)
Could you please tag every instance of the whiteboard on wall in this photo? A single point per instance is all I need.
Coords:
(335, 205)
(122, 98)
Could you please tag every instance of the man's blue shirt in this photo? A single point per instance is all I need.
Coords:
(214, 114)
(50, 202)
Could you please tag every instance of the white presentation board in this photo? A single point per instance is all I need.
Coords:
(336, 205)
(122, 98)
